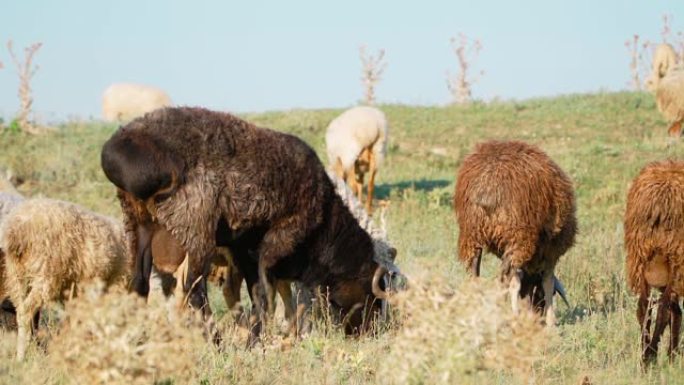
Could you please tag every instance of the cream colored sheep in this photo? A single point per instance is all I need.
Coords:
(50, 248)
(667, 82)
(8, 201)
(123, 102)
(7, 182)
(664, 60)
(356, 142)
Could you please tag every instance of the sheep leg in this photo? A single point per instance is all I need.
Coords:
(371, 181)
(353, 182)
(26, 311)
(285, 291)
(339, 170)
(675, 327)
(662, 320)
(268, 290)
(514, 290)
(143, 262)
(196, 287)
(231, 289)
(644, 310)
(675, 129)
(514, 276)
(475, 262)
(548, 286)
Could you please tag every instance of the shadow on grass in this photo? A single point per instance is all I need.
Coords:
(383, 191)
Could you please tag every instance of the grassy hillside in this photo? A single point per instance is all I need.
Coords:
(600, 140)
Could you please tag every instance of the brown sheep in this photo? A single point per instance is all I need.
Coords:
(512, 200)
(208, 176)
(654, 239)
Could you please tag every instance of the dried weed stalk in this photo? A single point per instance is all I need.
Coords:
(460, 85)
(116, 338)
(26, 71)
(457, 336)
(372, 67)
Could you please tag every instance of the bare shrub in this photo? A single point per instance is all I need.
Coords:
(460, 85)
(639, 60)
(372, 67)
(456, 336)
(677, 40)
(116, 338)
(25, 70)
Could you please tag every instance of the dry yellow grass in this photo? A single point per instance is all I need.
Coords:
(458, 335)
(116, 339)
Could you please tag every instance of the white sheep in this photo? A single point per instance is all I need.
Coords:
(123, 102)
(356, 142)
(667, 82)
(50, 248)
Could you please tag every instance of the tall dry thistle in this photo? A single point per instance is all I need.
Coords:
(639, 59)
(372, 67)
(25, 70)
(460, 85)
(677, 41)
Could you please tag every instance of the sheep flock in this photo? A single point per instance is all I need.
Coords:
(208, 200)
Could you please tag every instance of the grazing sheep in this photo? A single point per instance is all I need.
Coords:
(654, 239)
(8, 182)
(356, 142)
(50, 248)
(209, 176)
(8, 201)
(667, 82)
(514, 201)
(123, 102)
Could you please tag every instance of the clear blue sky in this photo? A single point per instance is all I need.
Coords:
(264, 55)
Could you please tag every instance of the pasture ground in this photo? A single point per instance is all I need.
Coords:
(452, 331)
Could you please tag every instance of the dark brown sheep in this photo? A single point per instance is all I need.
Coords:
(212, 178)
(512, 200)
(654, 239)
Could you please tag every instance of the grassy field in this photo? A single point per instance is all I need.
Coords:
(601, 140)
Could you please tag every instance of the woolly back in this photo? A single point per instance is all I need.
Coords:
(670, 95)
(513, 184)
(385, 254)
(126, 101)
(46, 236)
(352, 131)
(654, 220)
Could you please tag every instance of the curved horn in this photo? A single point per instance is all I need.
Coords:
(558, 288)
(375, 287)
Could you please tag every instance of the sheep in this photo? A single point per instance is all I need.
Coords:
(667, 82)
(53, 246)
(8, 182)
(654, 240)
(206, 175)
(122, 102)
(8, 201)
(356, 143)
(514, 201)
